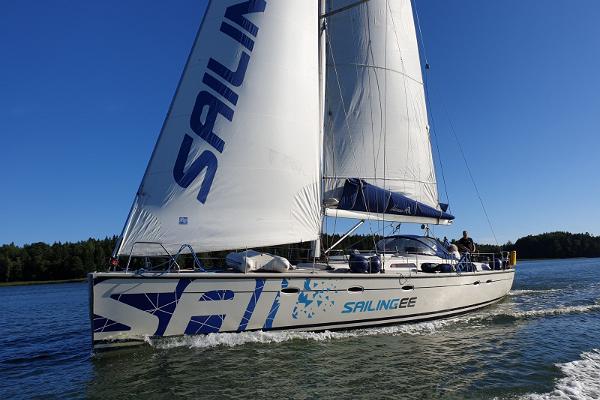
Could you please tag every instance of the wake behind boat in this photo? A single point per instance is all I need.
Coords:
(288, 112)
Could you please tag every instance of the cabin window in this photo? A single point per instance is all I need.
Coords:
(403, 245)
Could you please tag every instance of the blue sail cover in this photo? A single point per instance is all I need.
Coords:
(359, 195)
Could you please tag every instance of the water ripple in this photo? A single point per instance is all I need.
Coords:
(522, 347)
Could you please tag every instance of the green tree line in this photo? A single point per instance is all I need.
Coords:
(58, 261)
(61, 261)
(551, 245)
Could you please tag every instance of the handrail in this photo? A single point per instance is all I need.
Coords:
(172, 261)
(132, 247)
(464, 259)
(469, 258)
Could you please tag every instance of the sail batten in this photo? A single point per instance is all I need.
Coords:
(236, 165)
(347, 7)
(397, 71)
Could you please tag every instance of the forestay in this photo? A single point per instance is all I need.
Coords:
(237, 162)
(376, 125)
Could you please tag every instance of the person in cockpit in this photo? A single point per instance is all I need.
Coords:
(466, 244)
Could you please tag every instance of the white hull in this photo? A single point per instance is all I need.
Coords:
(127, 307)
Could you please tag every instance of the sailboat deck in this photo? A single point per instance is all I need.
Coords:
(301, 271)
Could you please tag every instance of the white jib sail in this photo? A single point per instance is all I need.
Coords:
(237, 161)
(376, 124)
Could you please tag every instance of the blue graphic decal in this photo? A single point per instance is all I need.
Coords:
(206, 161)
(233, 77)
(316, 297)
(238, 36)
(213, 107)
(162, 305)
(102, 324)
(215, 295)
(260, 284)
(220, 88)
(207, 107)
(237, 13)
(275, 306)
(307, 284)
(303, 298)
(204, 324)
(209, 323)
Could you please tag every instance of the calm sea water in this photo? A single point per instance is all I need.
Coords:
(542, 342)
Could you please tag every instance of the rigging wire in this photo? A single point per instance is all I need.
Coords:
(421, 35)
(428, 101)
(346, 117)
(452, 130)
(462, 153)
(436, 141)
(339, 85)
(385, 118)
(382, 112)
(393, 225)
(405, 76)
(382, 125)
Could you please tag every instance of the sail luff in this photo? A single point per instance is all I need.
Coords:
(119, 243)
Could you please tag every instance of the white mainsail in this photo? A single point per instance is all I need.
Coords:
(237, 161)
(376, 124)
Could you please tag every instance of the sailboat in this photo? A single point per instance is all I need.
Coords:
(287, 113)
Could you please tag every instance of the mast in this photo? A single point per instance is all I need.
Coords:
(315, 250)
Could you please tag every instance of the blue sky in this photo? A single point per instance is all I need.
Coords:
(84, 88)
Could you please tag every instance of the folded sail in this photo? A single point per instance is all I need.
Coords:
(237, 161)
(360, 199)
(376, 125)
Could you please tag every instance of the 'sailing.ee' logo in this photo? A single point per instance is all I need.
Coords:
(223, 81)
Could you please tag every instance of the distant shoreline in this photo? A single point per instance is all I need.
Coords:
(27, 283)
(553, 259)
(63, 261)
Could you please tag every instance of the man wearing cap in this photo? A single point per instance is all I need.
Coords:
(466, 244)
